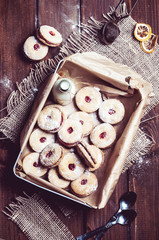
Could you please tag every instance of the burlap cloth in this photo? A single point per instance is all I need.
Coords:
(124, 50)
(36, 219)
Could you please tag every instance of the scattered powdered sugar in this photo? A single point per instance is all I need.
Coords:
(7, 84)
(139, 169)
(6, 87)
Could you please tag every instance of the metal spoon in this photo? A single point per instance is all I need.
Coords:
(124, 217)
(126, 201)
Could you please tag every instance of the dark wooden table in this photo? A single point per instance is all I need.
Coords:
(18, 20)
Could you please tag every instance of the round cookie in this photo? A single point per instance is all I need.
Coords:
(86, 121)
(71, 133)
(34, 50)
(70, 167)
(31, 165)
(49, 36)
(51, 155)
(88, 99)
(91, 154)
(103, 135)
(85, 185)
(111, 111)
(56, 179)
(51, 118)
(39, 139)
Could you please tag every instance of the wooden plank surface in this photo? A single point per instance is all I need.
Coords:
(18, 20)
(143, 177)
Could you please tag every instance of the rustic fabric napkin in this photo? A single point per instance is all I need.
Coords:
(36, 219)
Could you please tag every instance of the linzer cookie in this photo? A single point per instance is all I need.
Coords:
(51, 118)
(51, 155)
(88, 99)
(56, 179)
(71, 167)
(103, 135)
(111, 111)
(34, 50)
(39, 139)
(91, 154)
(49, 36)
(32, 165)
(86, 121)
(71, 133)
(85, 185)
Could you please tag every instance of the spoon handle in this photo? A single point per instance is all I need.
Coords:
(100, 235)
(102, 229)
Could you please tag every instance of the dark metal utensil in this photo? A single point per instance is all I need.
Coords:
(110, 30)
(124, 217)
(126, 201)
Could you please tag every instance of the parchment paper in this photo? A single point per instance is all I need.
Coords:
(114, 80)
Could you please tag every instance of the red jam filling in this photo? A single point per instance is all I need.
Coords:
(48, 154)
(81, 122)
(102, 135)
(36, 46)
(70, 130)
(111, 111)
(84, 181)
(43, 139)
(52, 33)
(87, 99)
(36, 164)
(72, 166)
